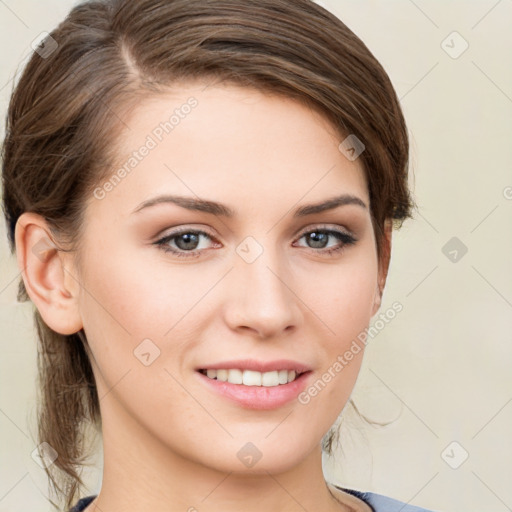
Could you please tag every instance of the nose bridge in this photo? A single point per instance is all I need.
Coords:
(263, 299)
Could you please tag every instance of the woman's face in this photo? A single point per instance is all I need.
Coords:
(259, 284)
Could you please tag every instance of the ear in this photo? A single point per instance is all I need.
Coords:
(383, 264)
(46, 272)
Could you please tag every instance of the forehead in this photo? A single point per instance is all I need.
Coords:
(232, 143)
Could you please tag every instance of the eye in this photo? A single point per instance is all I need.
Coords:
(319, 238)
(186, 241)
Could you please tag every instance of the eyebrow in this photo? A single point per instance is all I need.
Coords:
(222, 210)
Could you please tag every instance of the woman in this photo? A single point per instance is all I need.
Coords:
(201, 196)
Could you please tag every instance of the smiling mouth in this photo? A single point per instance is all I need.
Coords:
(252, 378)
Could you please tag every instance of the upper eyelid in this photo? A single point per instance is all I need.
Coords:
(324, 227)
(179, 230)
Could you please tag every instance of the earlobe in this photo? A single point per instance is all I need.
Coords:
(44, 274)
(377, 300)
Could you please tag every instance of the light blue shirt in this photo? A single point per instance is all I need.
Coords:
(381, 503)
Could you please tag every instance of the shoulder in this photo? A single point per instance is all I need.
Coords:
(81, 504)
(381, 503)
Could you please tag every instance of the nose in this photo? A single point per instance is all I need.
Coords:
(261, 297)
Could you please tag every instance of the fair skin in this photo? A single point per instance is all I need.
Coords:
(170, 442)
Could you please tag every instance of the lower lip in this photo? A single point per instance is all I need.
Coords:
(258, 397)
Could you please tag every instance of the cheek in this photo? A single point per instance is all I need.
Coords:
(141, 316)
(127, 311)
(342, 296)
(344, 302)
(139, 297)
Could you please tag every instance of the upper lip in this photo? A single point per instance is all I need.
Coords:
(258, 366)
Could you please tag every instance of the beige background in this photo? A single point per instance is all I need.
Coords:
(441, 368)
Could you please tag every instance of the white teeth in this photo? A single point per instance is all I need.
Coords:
(252, 378)
(270, 379)
(222, 375)
(235, 376)
(283, 376)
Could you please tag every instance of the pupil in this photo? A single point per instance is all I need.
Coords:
(315, 235)
(190, 238)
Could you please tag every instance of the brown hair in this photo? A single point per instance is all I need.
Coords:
(64, 118)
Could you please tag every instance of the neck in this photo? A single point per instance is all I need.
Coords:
(142, 473)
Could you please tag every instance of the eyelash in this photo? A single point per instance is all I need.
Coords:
(340, 235)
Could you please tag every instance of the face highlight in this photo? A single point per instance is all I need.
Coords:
(243, 233)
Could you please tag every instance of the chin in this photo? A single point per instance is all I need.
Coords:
(260, 457)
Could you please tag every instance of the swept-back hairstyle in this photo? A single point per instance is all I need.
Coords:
(64, 119)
